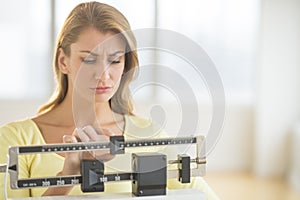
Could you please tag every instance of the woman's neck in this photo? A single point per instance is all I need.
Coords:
(81, 112)
(84, 112)
(104, 113)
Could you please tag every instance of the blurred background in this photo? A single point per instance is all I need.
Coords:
(255, 46)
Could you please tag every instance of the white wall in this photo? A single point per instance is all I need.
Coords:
(278, 85)
(18, 109)
(234, 151)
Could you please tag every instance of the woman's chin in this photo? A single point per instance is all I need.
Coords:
(103, 98)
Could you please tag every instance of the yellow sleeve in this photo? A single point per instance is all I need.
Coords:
(10, 136)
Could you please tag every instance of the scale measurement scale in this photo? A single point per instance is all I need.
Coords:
(98, 146)
(70, 180)
(116, 145)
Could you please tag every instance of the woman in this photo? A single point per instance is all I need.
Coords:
(94, 62)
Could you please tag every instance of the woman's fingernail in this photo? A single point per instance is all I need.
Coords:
(78, 129)
(67, 139)
(73, 138)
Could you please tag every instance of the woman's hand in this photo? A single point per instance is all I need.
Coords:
(89, 134)
(86, 134)
(71, 167)
(72, 159)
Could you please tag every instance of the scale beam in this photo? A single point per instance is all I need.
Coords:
(88, 146)
(117, 145)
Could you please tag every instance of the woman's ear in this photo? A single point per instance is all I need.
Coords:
(63, 60)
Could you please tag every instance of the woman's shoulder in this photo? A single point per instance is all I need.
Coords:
(20, 131)
(17, 126)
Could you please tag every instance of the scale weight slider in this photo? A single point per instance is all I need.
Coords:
(92, 171)
(117, 145)
(150, 174)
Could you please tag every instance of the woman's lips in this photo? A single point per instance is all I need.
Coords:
(101, 90)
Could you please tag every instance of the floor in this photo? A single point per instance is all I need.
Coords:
(244, 186)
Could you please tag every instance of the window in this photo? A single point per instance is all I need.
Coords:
(226, 29)
(25, 49)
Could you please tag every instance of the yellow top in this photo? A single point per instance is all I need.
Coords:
(26, 132)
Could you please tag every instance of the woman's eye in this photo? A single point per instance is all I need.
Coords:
(115, 61)
(89, 60)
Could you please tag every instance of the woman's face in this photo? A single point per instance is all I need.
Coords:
(96, 64)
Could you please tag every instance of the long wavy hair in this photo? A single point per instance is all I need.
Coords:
(104, 18)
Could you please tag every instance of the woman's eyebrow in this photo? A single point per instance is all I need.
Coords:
(116, 52)
(95, 54)
(89, 52)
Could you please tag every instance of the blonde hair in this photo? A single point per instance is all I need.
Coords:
(104, 18)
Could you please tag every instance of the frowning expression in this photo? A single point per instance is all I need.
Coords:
(96, 64)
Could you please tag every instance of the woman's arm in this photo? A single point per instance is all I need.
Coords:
(71, 167)
(10, 136)
(73, 159)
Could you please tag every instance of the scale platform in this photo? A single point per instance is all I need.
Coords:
(182, 194)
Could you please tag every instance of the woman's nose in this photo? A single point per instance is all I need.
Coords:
(105, 75)
(102, 75)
